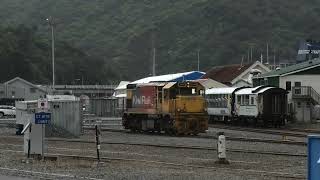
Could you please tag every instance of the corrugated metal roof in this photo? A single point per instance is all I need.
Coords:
(164, 78)
(292, 68)
(228, 90)
(169, 85)
(225, 74)
(122, 85)
(247, 90)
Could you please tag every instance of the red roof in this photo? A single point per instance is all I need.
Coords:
(225, 74)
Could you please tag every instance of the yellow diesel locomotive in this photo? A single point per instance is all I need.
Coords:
(176, 108)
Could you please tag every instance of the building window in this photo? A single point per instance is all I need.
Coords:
(297, 89)
(297, 84)
(13, 93)
(299, 104)
(1, 92)
(32, 90)
(288, 85)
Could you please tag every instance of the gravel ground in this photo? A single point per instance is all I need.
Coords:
(75, 169)
(243, 165)
(245, 134)
(115, 123)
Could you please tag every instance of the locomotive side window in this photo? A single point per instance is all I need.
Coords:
(201, 92)
(193, 91)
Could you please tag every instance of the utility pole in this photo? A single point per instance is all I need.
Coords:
(51, 23)
(248, 57)
(154, 62)
(274, 58)
(251, 52)
(198, 52)
(153, 53)
(242, 60)
(267, 53)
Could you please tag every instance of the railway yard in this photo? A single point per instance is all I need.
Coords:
(253, 153)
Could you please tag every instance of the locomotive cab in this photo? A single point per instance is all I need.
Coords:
(184, 105)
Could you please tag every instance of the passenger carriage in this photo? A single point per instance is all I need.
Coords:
(220, 103)
(261, 104)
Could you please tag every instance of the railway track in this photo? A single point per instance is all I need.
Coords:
(243, 139)
(285, 132)
(156, 162)
(204, 148)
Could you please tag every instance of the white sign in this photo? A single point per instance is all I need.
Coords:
(43, 104)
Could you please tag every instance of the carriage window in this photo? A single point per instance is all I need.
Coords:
(252, 100)
(239, 99)
(246, 100)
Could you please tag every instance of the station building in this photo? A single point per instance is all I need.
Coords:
(236, 75)
(302, 81)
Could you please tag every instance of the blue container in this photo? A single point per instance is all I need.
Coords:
(314, 157)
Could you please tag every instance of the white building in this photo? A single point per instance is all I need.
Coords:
(302, 81)
(236, 75)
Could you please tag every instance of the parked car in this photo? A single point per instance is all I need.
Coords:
(7, 111)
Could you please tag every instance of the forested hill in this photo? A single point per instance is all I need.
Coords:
(122, 32)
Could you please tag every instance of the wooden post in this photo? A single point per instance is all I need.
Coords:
(98, 142)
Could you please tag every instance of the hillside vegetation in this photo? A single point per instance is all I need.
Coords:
(121, 32)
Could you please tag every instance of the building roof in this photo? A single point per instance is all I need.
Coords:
(225, 74)
(192, 75)
(227, 90)
(293, 68)
(232, 73)
(122, 85)
(249, 90)
(26, 82)
(210, 83)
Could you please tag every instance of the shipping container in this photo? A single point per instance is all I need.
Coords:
(66, 116)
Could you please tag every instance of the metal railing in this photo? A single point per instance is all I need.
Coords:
(306, 92)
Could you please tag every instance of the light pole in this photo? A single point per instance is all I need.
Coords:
(198, 53)
(51, 23)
